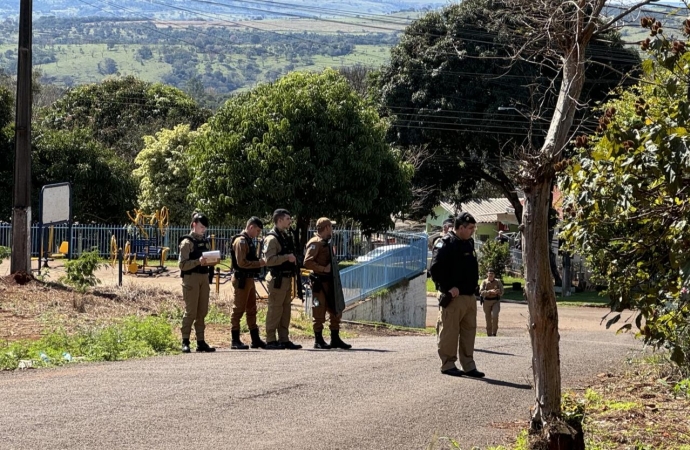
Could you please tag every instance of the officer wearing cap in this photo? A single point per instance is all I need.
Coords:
(455, 270)
(447, 226)
(491, 291)
(319, 259)
(195, 270)
(246, 265)
(278, 255)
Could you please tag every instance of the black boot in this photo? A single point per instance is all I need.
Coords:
(274, 345)
(256, 339)
(336, 342)
(202, 346)
(319, 342)
(185, 345)
(236, 342)
(289, 345)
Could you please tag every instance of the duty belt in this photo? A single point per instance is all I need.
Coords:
(491, 298)
(282, 274)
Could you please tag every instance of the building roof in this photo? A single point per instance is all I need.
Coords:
(484, 211)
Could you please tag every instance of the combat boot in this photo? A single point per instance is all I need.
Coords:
(289, 345)
(236, 342)
(256, 339)
(319, 342)
(274, 345)
(202, 346)
(185, 346)
(336, 342)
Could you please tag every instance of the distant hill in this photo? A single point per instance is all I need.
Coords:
(191, 9)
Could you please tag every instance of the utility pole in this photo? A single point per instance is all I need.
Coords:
(21, 212)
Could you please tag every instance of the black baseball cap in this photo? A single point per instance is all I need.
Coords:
(449, 221)
(202, 219)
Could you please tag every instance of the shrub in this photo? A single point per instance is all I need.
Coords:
(495, 255)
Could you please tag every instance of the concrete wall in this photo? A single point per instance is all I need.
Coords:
(403, 305)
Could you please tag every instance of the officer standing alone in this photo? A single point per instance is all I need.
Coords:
(491, 291)
(455, 270)
(319, 258)
(246, 265)
(279, 257)
(194, 271)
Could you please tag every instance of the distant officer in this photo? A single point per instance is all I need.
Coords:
(455, 271)
(195, 271)
(246, 265)
(319, 259)
(279, 257)
(491, 291)
(448, 225)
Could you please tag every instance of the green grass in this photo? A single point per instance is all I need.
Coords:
(132, 337)
(388, 326)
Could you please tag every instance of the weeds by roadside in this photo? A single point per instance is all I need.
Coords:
(133, 337)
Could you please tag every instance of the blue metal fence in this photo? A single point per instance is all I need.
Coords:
(404, 257)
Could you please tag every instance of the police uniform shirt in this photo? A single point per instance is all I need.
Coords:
(241, 248)
(317, 256)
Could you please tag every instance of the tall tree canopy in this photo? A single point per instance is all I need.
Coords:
(164, 174)
(628, 202)
(449, 75)
(119, 112)
(307, 143)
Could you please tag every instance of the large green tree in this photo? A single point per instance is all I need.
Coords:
(119, 112)
(308, 143)
(448, 76)
(628, 198)
(164, 174)
(103, 189)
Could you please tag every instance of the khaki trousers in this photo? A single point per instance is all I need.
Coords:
(491, 310)
(457, 326)
(195, 291)
(319, 312)
(244, 302)
(279, 309)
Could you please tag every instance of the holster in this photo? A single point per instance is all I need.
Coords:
(278, 281)
(445, 299)
(316, 285)
(241, 280)
(211, 274)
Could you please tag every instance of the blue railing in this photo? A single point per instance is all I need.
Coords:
(404, 257)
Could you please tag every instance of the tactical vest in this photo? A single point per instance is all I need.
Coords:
(199, 247)
(285, 249)
(251, 255)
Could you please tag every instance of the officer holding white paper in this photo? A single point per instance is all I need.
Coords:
(194, 270)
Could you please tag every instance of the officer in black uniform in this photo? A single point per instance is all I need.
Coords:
(455, 270)
(195, 272)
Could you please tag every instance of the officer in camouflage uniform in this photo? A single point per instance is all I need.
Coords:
(246, 265)
(195, 273)
(318, 258)
(278, 255)
(491, 291)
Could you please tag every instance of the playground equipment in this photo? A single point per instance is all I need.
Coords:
(144, 248)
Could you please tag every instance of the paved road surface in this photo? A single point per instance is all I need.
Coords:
(386, 394)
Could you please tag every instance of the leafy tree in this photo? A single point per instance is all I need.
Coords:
(119, 112)
(163, 172)
(103, 189)
(308, 143)
(448, 76)
(107, 66)
(495, 255)
(627, 198)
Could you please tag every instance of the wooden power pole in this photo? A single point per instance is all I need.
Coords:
(21, 212)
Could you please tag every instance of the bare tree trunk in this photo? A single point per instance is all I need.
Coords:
(543, 314)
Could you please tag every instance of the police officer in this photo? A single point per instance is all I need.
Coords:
(195, 272)
(246, 265)
(278, 255)
(491, 291)
(455, 271)
(318, 258)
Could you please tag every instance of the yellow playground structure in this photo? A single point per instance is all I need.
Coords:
(144, 248)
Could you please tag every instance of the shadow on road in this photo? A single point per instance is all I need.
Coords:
(503, 383)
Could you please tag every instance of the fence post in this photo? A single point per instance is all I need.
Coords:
(119, 267)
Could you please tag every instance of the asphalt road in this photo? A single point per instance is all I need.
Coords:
(387, 393)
